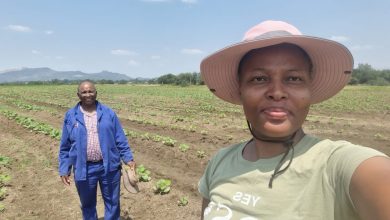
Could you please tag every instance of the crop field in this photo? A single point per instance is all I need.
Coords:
(172, 130)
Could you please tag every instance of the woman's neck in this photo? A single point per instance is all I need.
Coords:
(257, 149)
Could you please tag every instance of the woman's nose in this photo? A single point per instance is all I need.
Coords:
(276, 91)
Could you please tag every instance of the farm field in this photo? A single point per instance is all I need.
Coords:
(172, 130)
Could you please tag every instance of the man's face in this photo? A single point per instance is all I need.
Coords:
(87, 93)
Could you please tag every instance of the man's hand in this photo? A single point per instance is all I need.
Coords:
(66, 180)
(132, 165)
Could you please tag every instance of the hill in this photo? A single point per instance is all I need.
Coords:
(47, 74)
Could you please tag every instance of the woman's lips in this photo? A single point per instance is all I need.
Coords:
(276, 113)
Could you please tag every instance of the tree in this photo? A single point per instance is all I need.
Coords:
(167, 79)
(365, 74)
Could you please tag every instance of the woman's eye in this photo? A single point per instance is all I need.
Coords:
(294, 78)
(260, 79)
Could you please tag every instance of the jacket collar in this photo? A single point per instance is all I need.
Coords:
(80, 116)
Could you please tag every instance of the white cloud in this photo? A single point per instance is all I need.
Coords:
(59, 57)
(190, 1)
(36, 52)
(122, 52)
(11, 69)
(361, 47)
(339, 38)
(155, 57)
(18, 28)
(132, 63)
(191, 51)
(49, 32)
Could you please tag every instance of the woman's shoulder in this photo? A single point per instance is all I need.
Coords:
(335, 146)
(323, 145)
(344, 152)
(334, 151)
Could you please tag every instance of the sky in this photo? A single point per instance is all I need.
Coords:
(150, 38)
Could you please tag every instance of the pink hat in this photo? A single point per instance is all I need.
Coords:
(332, 62)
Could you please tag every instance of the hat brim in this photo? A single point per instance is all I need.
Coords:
(332, 66)
(130, 181)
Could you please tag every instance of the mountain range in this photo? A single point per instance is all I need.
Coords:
(47, 74)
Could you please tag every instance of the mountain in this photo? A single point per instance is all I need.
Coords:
(47, 74)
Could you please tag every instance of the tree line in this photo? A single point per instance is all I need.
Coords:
(364, 74)
(182, 79)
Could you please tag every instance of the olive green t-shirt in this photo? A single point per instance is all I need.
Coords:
(315, 186)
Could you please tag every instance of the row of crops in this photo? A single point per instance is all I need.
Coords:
(189, 101)
(5, 177)
(161, 112)
(193, 110)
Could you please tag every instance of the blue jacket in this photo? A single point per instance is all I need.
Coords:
(73, 146)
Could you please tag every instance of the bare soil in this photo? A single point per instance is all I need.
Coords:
(36, 192)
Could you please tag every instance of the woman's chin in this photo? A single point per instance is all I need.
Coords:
(277, 130)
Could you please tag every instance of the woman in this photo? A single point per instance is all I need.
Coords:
(93, 143)
(282, 173)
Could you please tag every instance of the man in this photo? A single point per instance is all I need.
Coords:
(93, 143)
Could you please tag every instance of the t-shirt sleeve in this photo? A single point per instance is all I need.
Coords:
(215, 166)
(343, 163)
(204, 182)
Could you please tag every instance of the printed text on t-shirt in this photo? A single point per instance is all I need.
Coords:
(246, 199)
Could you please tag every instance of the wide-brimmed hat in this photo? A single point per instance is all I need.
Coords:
(332, 61)
(130, 180)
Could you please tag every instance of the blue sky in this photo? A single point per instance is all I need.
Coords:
(149, 38)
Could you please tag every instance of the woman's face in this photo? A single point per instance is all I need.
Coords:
(275, 90)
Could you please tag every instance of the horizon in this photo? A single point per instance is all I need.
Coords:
(102, 71)
(151, 38)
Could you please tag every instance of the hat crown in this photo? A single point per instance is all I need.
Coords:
(269, 29)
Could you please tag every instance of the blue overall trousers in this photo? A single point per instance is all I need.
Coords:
(110, 189)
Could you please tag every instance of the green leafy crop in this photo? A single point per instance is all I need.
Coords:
(183, 147)
(183, 201)
(4, 179)
(163, 186)
(4, 161)
(143, 173)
